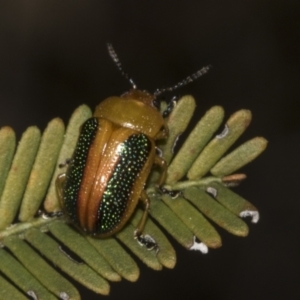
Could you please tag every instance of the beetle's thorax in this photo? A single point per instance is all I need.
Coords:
(134, 110)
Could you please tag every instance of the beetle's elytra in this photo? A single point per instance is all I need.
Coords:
(112, 161)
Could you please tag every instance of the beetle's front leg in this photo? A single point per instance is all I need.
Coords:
(145, 240)
(163, 133)
(59, 183)
(163, 165)
(59, 187)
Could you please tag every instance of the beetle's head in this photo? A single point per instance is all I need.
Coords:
(142, 96)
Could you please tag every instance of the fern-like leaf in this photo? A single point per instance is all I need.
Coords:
(31, 239)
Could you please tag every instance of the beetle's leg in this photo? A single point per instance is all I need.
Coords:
(172, 194)
(158, 152)
(144, 198)
(145, 240)
(163, 133)
(59, 183)
(163, 165)
(59, 187)
(54, 214)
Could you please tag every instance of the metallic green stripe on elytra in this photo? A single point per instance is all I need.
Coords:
(133, 153)
(76, 168)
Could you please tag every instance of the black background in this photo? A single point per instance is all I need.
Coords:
(53, 57)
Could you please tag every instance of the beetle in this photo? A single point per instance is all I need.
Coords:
(113, 158)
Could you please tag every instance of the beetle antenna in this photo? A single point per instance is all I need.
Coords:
(116, 60)
(183, 82)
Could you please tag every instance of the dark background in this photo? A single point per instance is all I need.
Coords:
(53, 57)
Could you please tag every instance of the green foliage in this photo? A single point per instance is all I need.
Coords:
(199, 171)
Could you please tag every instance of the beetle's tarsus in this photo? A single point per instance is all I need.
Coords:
(64, 164)
(54, 214)
(172, 194)
(147, 241)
